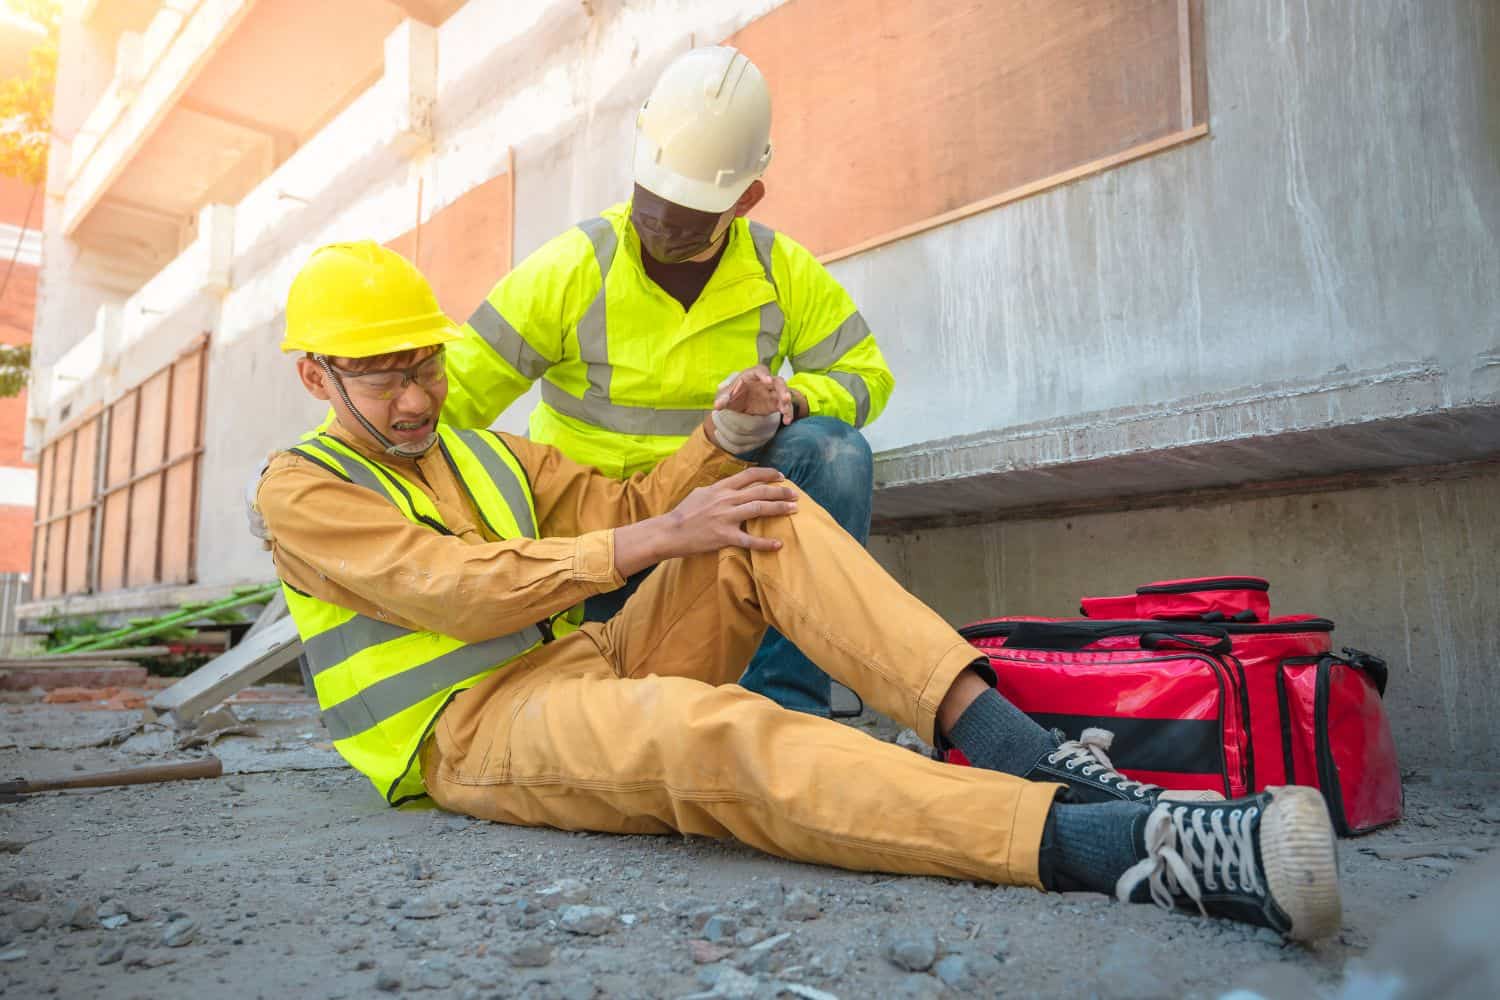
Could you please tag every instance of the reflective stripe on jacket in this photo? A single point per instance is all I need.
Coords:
(381, 686)
(626, 373)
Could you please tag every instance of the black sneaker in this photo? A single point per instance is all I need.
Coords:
(1082, 766)
(1267, 859)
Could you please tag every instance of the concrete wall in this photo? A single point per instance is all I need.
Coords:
(1405, 568)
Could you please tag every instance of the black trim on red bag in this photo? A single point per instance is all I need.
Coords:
(1283, 706)
(1279, 628)
(1208, 583)
(1191, 746)
(1076, 635)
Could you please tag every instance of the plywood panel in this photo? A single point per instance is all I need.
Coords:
(112, 538)
(465, 247)
(177, 523)
(80, 499)
(121, 441)
(145, 510)
(889, 112)
(44, 482)
(187, 376)
(151, 440)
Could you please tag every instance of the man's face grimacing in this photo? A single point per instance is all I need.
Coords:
(400, 394)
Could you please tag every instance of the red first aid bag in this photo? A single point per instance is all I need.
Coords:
(1231, 706)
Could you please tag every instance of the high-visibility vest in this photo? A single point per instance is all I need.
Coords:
(626, 372)
(381, 686)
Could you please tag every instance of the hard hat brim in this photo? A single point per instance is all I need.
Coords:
(406, 334)
(688, 192)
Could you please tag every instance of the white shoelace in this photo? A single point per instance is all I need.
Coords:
(1181, 850)
(1086, 754)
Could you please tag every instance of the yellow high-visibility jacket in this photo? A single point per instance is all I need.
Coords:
(381, 686)
(626, 373)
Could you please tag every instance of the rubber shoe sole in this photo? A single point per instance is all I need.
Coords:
(1190, 795)
(1299, 857)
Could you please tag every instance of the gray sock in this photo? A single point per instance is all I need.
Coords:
(998, 736)
(1091, 845)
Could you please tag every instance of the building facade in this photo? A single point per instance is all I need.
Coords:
(1170, 288)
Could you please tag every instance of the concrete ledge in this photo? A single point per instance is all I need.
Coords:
(1387, 419)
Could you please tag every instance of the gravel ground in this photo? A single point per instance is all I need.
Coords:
(291, 879)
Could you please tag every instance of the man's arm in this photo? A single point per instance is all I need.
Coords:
(345, 544)
(574, 499)
(518, 331)
(839, 370)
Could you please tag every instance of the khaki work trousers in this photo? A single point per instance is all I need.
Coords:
(635, 725)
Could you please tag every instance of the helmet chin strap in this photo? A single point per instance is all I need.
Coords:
(391, 447)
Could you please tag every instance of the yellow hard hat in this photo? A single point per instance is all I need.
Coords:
(357, 300)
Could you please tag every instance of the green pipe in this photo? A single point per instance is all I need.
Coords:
(187, 613)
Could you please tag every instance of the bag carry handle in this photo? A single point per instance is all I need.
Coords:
(1072, 636)
(1372, 665)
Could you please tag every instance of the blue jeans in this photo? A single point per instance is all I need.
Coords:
(832, 463)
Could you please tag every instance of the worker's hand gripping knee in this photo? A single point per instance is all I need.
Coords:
(709, 519)
(714, 517)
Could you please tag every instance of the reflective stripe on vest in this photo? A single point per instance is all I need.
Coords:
(380, 685)
(596, 406)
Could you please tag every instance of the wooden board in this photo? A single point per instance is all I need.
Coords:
(114, 533)
(177, 522)
(39, 535)
(465, 247)
(255, 657)
(57, 532)
(891, 112)
(80, 499)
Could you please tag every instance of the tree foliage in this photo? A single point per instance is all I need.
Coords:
(15, 362)
(26, 100)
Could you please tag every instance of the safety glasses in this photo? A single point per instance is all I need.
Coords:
(388, 383)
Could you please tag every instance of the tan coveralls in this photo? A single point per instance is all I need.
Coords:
(635, 725)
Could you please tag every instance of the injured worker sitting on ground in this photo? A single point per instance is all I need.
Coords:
(432, 573)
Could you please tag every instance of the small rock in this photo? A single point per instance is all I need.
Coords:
(134, 955)
(29, 919)
(526, 915)
(917, 987)
(26, 892)
(12, 954)
(432, 978)
(705, 953)
(179, 932)
(421, 909)
(913, 949)
(564, 892)
(529, 954)
(735, 985)
(387, 982)
(114, 922)
(828, 964)
(720, 928)
(749, 936)
(953, 970)
(357, 918)
(801, 905)
(109, 954)
(771, 942)
(83, 917)
(590, 920)
(418, 870)
(908, 739)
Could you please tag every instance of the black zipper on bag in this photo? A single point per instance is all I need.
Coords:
(1328, 772)
(1277, 628)
(1226, 583)
(1284, 705)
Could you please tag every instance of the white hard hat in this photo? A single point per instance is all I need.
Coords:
(704, 134)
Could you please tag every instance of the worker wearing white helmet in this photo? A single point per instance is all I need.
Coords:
(637, 319)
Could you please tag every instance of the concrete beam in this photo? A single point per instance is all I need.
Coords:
(1374, 420)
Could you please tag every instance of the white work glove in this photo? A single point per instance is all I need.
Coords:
(739, 433)
(257, 523)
